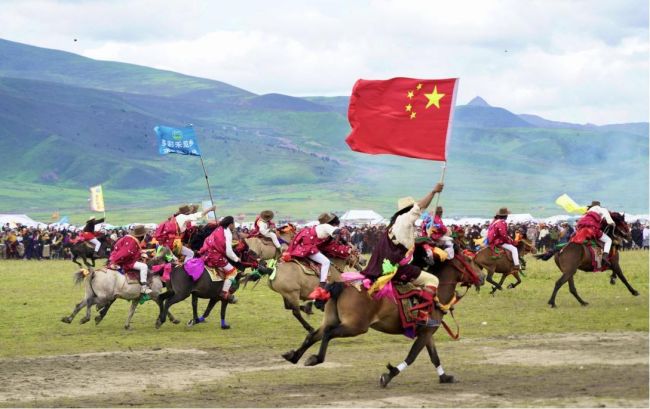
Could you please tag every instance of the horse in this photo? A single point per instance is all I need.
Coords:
(265, 248)
(181, 285)
(294, 284)
(85, 249)
(104, 286)
(574, 256)
(351, 311)
(487, 259)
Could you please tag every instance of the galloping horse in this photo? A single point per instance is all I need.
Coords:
(265, 249)
(350, 312)
(294, 284)
(574, 257)
(493, 263)
(86, 250)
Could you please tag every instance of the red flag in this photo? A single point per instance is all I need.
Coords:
(402, 116)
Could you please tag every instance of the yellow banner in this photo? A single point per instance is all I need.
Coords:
(569, 205)
(97, 199)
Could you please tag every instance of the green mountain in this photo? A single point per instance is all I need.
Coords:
(68, 122)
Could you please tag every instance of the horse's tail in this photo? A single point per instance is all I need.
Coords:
(546, 256)
(79, 276)
(335, 290)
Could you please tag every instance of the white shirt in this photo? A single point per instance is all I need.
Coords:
(229, 253)
(646, 233)
(181, 219)
(324, 231)
(404, 227)
(264, 228)
(604, 213)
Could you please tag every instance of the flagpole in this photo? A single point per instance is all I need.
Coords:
(206, 180)
(442, 180)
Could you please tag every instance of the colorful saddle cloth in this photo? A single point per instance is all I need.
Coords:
(415, 307)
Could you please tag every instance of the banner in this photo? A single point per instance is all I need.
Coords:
(177, 140)
(569, 205)
(97, 199)
(206, 204)
(402, 116)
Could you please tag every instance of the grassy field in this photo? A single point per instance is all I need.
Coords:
(500, 335)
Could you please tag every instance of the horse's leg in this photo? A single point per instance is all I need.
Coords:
(295, 310)
(435, 360)
(74, 260)
(616, 268)
(92, 260)
(168, 302)
(516, 276)
(195, 313)
(103, 311)
(559, 283)
(489, 279)
(572, 289)
(134, 305)
(311, 338)
(416, 348)
(224, 307)
(342, 330)
(503, 278)
(77, 308)
(89, 302)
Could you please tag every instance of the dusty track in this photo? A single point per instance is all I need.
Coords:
(586, 369)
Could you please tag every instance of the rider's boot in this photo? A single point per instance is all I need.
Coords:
(320, 293)
(144, 288)
(605, 262)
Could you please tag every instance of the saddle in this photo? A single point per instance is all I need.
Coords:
(497, 252)
(596, 252)
(133, 276)
(415, 307)
(307, 266)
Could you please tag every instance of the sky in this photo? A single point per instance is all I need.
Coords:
(574, 61)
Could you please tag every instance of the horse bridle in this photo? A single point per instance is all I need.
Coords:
(467, 270)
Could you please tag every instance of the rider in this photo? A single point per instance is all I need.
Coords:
(177, 224)
(127, 253)
(588, 227)
(265, 227)
(498, 236)
(308, 243)
(217, 252)
(396, 244)
(437, 231)
(89, 232)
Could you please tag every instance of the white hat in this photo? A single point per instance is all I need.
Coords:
(405, 202)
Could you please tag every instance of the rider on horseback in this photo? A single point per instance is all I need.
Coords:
(89, 232)
(434, 228)
(265, 227)
(217, 252)
(588, 227)
(127, 253)
(172, 229)
(398, 242)
(498, 236)
(308, 244)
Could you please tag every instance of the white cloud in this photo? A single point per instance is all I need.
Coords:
(578, 61)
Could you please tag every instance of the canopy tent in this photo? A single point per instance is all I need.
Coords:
(520, 218)
(15, 219)
(361, 217)
(631, 218)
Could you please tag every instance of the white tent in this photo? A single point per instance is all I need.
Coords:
(520, 218)
(361, 217)
(15, 219)
(466, 221)
(631, 218)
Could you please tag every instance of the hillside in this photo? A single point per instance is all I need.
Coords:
(68, 122)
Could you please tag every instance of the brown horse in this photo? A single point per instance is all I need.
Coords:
(574, 257)
(350, 312)
(493, 263)
(294, 284)
(265, 249)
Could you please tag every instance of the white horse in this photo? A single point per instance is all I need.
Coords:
(104, 286)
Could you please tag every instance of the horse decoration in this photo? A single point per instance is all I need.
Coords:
(499, 260)
(295, 278)
(352, 310)
(86, 250)
(104, 285)
(195, 279)
(572, 257)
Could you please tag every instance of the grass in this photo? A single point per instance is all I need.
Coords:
(35, 295)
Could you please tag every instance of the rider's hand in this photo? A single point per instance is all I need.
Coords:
(438, 187)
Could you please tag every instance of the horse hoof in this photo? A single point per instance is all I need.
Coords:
(98, 319)
(67, 320)
(127, 327)
(191, 322)
(312, 361)
(444, 378)
(158, 323)
(176, 321)
(511, 286)
(612, 280)
(384, 379)
(290, 356)
(552, 305)
(584, 304)
(225, 326)
(635, 293)
(84, 320)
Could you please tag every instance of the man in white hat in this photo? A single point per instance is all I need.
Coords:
(396, 245)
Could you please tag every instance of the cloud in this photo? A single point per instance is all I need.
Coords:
(578, 61)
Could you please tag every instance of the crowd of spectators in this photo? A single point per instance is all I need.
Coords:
(33, 243)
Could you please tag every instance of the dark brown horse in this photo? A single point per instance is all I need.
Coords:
(350, 312)
(493, 263)
(574, 257)
(86, 250)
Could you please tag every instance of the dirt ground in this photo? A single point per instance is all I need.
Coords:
(569, 370)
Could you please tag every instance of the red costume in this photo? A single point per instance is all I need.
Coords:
(498, 234)
(306, 243)
(588, 228)
(256, 229)
(213, 251)
(438, 228)
(126, 252)
(167, 232)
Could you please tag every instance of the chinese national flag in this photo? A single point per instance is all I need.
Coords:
(402, 116)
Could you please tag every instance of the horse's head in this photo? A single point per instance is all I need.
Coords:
(469, 273)
(621, 228)
(525, 247)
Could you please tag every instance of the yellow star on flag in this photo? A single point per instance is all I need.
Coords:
(434, 98)
(419, 87)
(412, 115)
(410, 94)
(408, 108)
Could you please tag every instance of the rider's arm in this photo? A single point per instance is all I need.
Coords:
(426, 200)
(229, 253)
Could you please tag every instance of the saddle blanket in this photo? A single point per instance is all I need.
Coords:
(415, 307)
